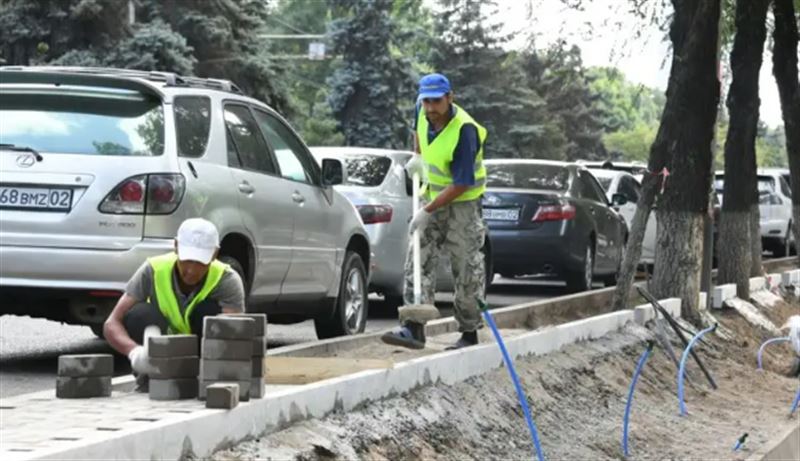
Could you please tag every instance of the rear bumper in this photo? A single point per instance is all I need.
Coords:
(527, 252)
(75, 269)
(774, 228)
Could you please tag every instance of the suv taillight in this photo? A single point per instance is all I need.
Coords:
(157, 193)
(554, 212)
(374, 214)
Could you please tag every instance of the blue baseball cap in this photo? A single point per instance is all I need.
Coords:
(433, 86)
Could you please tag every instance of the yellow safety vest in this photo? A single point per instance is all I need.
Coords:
(438, 155)
(165, 296)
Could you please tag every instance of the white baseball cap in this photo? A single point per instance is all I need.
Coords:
(198, 239)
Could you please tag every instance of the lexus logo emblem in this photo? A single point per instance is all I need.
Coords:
(25, 161)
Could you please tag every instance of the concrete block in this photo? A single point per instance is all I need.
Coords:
(723, 293)
(172, 346)
(773, 280)
(83, 388)
(175, 367)
(786, 279)
(244, 388)
(258, 367)
(643, 313)
(226, 370)
(757, 283)
(226, 349)
(173, 389)
(702, 300)
(85, 365)
(222, 395)
(222, 327)
(672, 306)
(260, 346)
(260, 319)
(257, 388)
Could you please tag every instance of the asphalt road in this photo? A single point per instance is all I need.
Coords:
(29, 348)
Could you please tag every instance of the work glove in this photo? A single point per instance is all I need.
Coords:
(414, 166)
(419, 221)
(140, 362)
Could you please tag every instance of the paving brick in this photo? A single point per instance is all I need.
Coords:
(222, 395)
(175, 367)
(82, 388)
(260, 319)
(226, 349)
(86, 365)
(173, 389)
(244, 388)
(226, 370)
(257, 388)
(260, 346)
(222, 327)
(173, 346)
(258, 367)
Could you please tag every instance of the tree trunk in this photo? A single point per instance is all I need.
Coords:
(756, 269)
(784, 68)
(683, 144)
(737, 251)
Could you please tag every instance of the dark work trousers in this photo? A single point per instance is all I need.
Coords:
(144, 314)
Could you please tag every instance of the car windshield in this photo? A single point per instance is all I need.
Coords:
(527, 176)
(366, 170)
(72, 121)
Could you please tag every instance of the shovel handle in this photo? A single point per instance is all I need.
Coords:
(417, 269)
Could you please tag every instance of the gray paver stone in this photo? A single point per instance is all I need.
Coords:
(173, 346)
(226, 349)
(257, 388)
(260, 319)
(244, 388)
(260, 346)
(175, 367)
(226, 370)
(222, 395)
(82, 388)
(173, 389)
(222, 327)
(86, 365)
(258, 367)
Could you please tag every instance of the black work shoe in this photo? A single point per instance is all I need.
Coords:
(411, 335)
(468, 338)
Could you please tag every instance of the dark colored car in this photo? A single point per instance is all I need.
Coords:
(552, 219)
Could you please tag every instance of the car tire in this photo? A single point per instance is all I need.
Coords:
(392, 302)
(239, 269)
(779, 248)
(351, 305)
(97, 329)
(581, 279)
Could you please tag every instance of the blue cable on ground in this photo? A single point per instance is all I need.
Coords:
(682, 368)
(523, 400)
(628, 404)
(767, 343)
(796, 403)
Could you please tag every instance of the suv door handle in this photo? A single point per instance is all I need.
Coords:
(246, 188)
(298, 198)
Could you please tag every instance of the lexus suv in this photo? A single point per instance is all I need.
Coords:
(99, 167)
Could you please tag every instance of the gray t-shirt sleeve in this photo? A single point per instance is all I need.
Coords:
(230, 291)
(141, 284)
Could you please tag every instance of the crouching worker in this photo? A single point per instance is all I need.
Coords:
(172, 293)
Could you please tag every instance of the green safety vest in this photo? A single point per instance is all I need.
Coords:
(165, 296)
(438, 155)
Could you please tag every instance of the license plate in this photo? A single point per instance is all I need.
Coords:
(35, 198)
(501, 214)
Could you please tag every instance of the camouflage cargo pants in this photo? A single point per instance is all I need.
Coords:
(456, 230)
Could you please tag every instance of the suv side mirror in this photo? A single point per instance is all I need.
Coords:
(332, 172)
(618, 200)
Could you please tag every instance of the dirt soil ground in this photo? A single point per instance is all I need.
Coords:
(578, 398)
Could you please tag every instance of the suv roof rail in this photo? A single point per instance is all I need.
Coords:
(169, 78)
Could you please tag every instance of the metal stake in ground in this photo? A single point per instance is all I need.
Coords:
(523, 400)
(678, 331)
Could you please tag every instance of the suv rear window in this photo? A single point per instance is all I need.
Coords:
(366, 170)
(527, 176)
(81, 121)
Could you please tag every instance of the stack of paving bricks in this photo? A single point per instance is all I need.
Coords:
(227, 352)
(84, 376)
(176, 364)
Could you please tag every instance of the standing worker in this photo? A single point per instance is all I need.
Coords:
(172, 293)
(450, 143)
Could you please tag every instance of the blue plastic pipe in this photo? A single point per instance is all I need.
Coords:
(523, 400)
(767, 343)
(682, 368)
(636, 373)
(796, 403)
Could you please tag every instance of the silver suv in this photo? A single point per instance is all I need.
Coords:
(98, 168)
